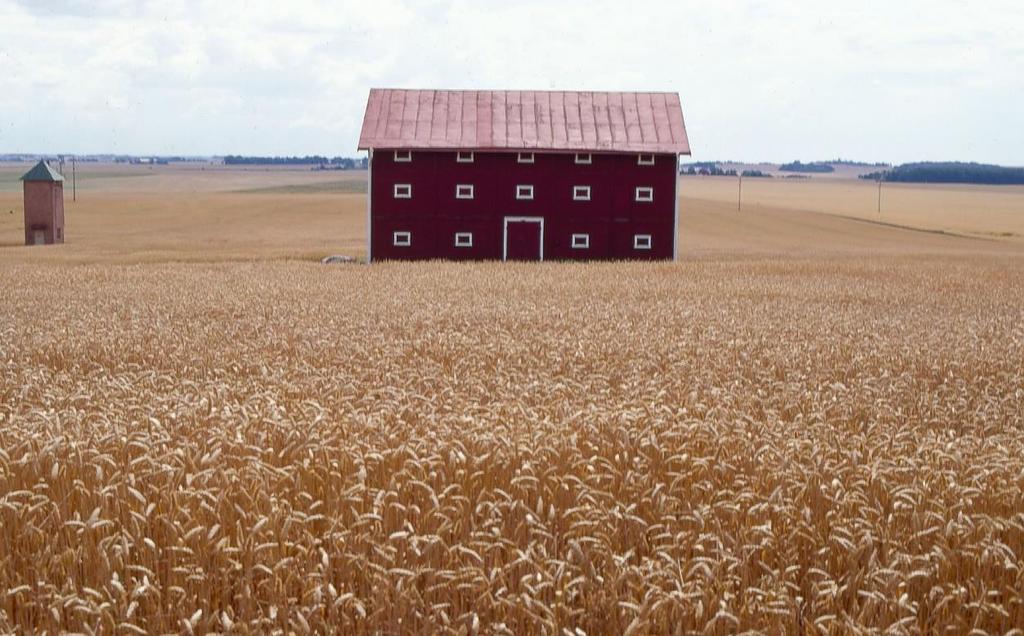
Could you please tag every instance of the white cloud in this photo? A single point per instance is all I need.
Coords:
(759, 80)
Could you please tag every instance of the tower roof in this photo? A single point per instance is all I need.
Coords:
(42, 172)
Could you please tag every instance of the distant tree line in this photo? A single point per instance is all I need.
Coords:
(34, 158)
(712, 169)
(337, 163)
(950, 172)
(847, 162)
(186, 159)
(797, 166)
(707, 169)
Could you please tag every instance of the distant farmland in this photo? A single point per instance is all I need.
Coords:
(199, 212)
(350, 186)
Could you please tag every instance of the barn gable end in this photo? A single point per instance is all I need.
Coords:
(522, 175)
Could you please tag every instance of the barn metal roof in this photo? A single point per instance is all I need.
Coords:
(42, 172)
(524, 120)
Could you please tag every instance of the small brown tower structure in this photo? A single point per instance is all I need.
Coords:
(44, 205)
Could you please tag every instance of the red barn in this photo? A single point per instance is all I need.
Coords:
(522, 175)
(44, 205)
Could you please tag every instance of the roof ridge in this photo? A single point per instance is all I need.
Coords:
(521, 90)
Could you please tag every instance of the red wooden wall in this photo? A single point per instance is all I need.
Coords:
(433, 215)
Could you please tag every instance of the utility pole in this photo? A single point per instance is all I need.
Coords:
(879, 196)
(739, 193)
(74, 179)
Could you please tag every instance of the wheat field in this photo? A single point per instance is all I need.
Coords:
(808, 425)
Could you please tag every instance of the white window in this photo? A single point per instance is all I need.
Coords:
(401, 239)
(463, 191)
(403, 156)
(581, 193)
(580, 241)
(584, 158)
(524, 192)
(525, 157)
(644, 194)
(403, 191)
(464, 157)
(463, 239)
(645, 160)
(641, 241)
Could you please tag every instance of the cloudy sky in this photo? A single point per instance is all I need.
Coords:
(778, 80)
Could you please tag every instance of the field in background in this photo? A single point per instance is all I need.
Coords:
(198, 212)
(811, 423)
(971, 210)
(210, 213)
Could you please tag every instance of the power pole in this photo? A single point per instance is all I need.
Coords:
(739, 194)
(879, 196)
(74, 179)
